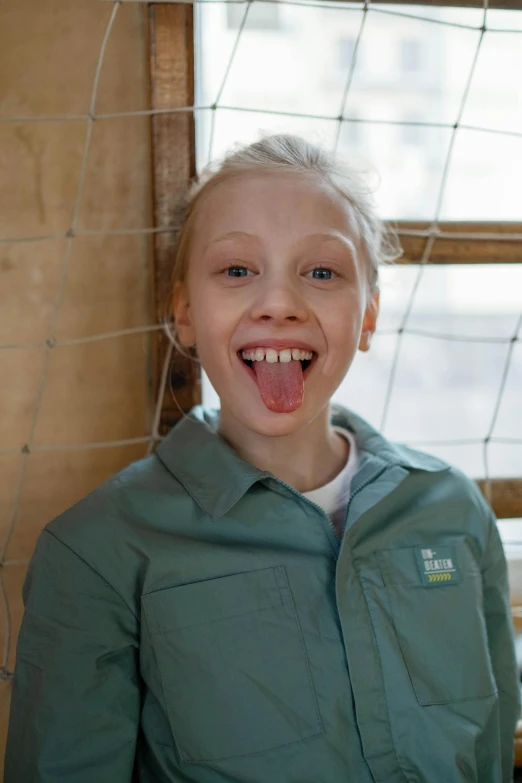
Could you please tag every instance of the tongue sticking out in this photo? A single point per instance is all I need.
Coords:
(281, 384)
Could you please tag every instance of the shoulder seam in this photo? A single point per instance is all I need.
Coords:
(122, 599)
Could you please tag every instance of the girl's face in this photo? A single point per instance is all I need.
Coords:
(276, 264)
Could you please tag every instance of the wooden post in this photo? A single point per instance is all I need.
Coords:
(171, 41)
(484, 242)
(506, 497)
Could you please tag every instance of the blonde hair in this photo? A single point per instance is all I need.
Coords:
(288, 153)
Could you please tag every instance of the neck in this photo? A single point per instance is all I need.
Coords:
(306, 459)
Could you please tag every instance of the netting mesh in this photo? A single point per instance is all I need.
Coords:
(431, 233)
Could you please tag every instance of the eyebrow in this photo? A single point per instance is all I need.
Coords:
(230, 235)
(334, 236)
(324, 236)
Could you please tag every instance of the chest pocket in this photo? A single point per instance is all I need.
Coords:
(440, 628)
(234, 668)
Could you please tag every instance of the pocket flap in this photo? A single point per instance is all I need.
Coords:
(212, 599)
(402, 566)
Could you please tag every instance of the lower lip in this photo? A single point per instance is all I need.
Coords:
(252, 374)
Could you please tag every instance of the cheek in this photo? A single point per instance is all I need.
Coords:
(213, 326)
(217, 313)
(342, 324)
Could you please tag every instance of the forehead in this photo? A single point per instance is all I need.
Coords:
(274, 207)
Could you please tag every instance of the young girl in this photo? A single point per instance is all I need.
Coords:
(279, 594)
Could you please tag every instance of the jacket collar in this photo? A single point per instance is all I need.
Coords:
(216, 477)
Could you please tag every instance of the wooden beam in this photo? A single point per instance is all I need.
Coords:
(171, 41)
(518, 745)
(484, 244)
(506, 497)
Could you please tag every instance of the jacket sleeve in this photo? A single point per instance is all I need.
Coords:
(75, 702)
(501, 643)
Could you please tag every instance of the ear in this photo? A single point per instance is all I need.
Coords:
(369, 321)
(182, 315)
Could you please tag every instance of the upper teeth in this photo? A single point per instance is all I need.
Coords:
(270, 355)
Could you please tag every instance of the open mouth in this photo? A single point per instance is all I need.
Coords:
(305, 363)
(279, 375)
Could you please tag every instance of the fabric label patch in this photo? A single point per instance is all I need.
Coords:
(438, 566)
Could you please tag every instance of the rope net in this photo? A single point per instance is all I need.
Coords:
(482, 23)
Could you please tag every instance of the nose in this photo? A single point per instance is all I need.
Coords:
(279, 300)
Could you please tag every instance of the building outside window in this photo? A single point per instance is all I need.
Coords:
(412, 135)
(411, 57)
(261, 16)
(346, 52)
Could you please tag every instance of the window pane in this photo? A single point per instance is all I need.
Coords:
(412, 132)
(406, 178)
(468, 300)
(505, 459)
(495, 98)
(261, 16)
(285, 69)
(419, 75)
(509, 421)
(504, 20)
(443, 389)
(233, 126)
(411, 55)
(472, 17)
(346, 52)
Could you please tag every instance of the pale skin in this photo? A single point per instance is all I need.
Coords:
(259, 283)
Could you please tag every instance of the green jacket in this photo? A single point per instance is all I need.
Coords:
(195, 619)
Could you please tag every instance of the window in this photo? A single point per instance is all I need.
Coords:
(465, 309)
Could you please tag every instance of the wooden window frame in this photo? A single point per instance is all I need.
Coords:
(171, 46)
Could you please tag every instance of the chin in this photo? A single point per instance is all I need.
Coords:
(267, 423)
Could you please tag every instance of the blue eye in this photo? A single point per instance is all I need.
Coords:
(237, 271)
(321, 273)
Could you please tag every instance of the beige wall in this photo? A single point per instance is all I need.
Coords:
(94, 391)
